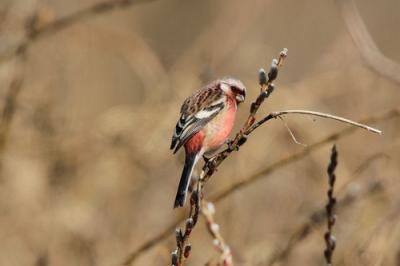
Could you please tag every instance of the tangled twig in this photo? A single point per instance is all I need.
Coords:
(331, 217)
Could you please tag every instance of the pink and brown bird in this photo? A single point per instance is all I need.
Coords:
(206, 120)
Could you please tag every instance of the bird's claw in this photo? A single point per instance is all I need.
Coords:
(229, 142)
(206, 160)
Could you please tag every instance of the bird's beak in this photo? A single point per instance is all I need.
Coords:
(239, 98)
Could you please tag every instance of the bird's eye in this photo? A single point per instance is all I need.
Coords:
(238, 91)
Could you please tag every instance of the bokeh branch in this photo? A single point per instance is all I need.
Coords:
(369, 51)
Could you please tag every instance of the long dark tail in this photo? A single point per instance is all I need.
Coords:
(183, 186)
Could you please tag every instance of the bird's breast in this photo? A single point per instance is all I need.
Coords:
(217, 131)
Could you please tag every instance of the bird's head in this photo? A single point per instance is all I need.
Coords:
(235, 88)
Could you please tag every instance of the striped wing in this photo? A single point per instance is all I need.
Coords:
(195, 115)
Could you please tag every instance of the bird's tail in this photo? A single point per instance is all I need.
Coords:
(190, 161)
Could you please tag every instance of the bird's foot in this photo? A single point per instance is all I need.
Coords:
(207, 159)
(231, 145)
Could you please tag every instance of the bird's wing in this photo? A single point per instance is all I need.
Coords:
(196, 112)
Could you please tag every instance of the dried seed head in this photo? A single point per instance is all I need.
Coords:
(178, 235)
(242, 140)
(189, 223)
(174, 258)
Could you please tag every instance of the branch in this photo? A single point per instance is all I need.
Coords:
(263, 173)
(394, 113)
(266, 88)
(365, 44)
(182, 247)
(291, 133)
(312, 113)
(210, 166)
(330, 240)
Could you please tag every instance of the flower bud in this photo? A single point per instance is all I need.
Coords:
(273, 71)
(262, 76)
(187, 250)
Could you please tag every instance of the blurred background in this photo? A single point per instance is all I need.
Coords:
(90, 94)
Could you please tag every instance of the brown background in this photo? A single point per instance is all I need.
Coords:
(86, 174)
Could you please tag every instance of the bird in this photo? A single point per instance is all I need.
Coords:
(206, 120)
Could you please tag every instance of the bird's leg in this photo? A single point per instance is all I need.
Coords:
(210, 161)
(207, 159)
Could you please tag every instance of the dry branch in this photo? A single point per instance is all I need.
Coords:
(264, 173)
(182, 247)
(312, 113)
(210, 166)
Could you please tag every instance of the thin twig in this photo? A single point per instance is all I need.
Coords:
(291, 133)
(313, 113)
(330, 240)
(263, 173)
